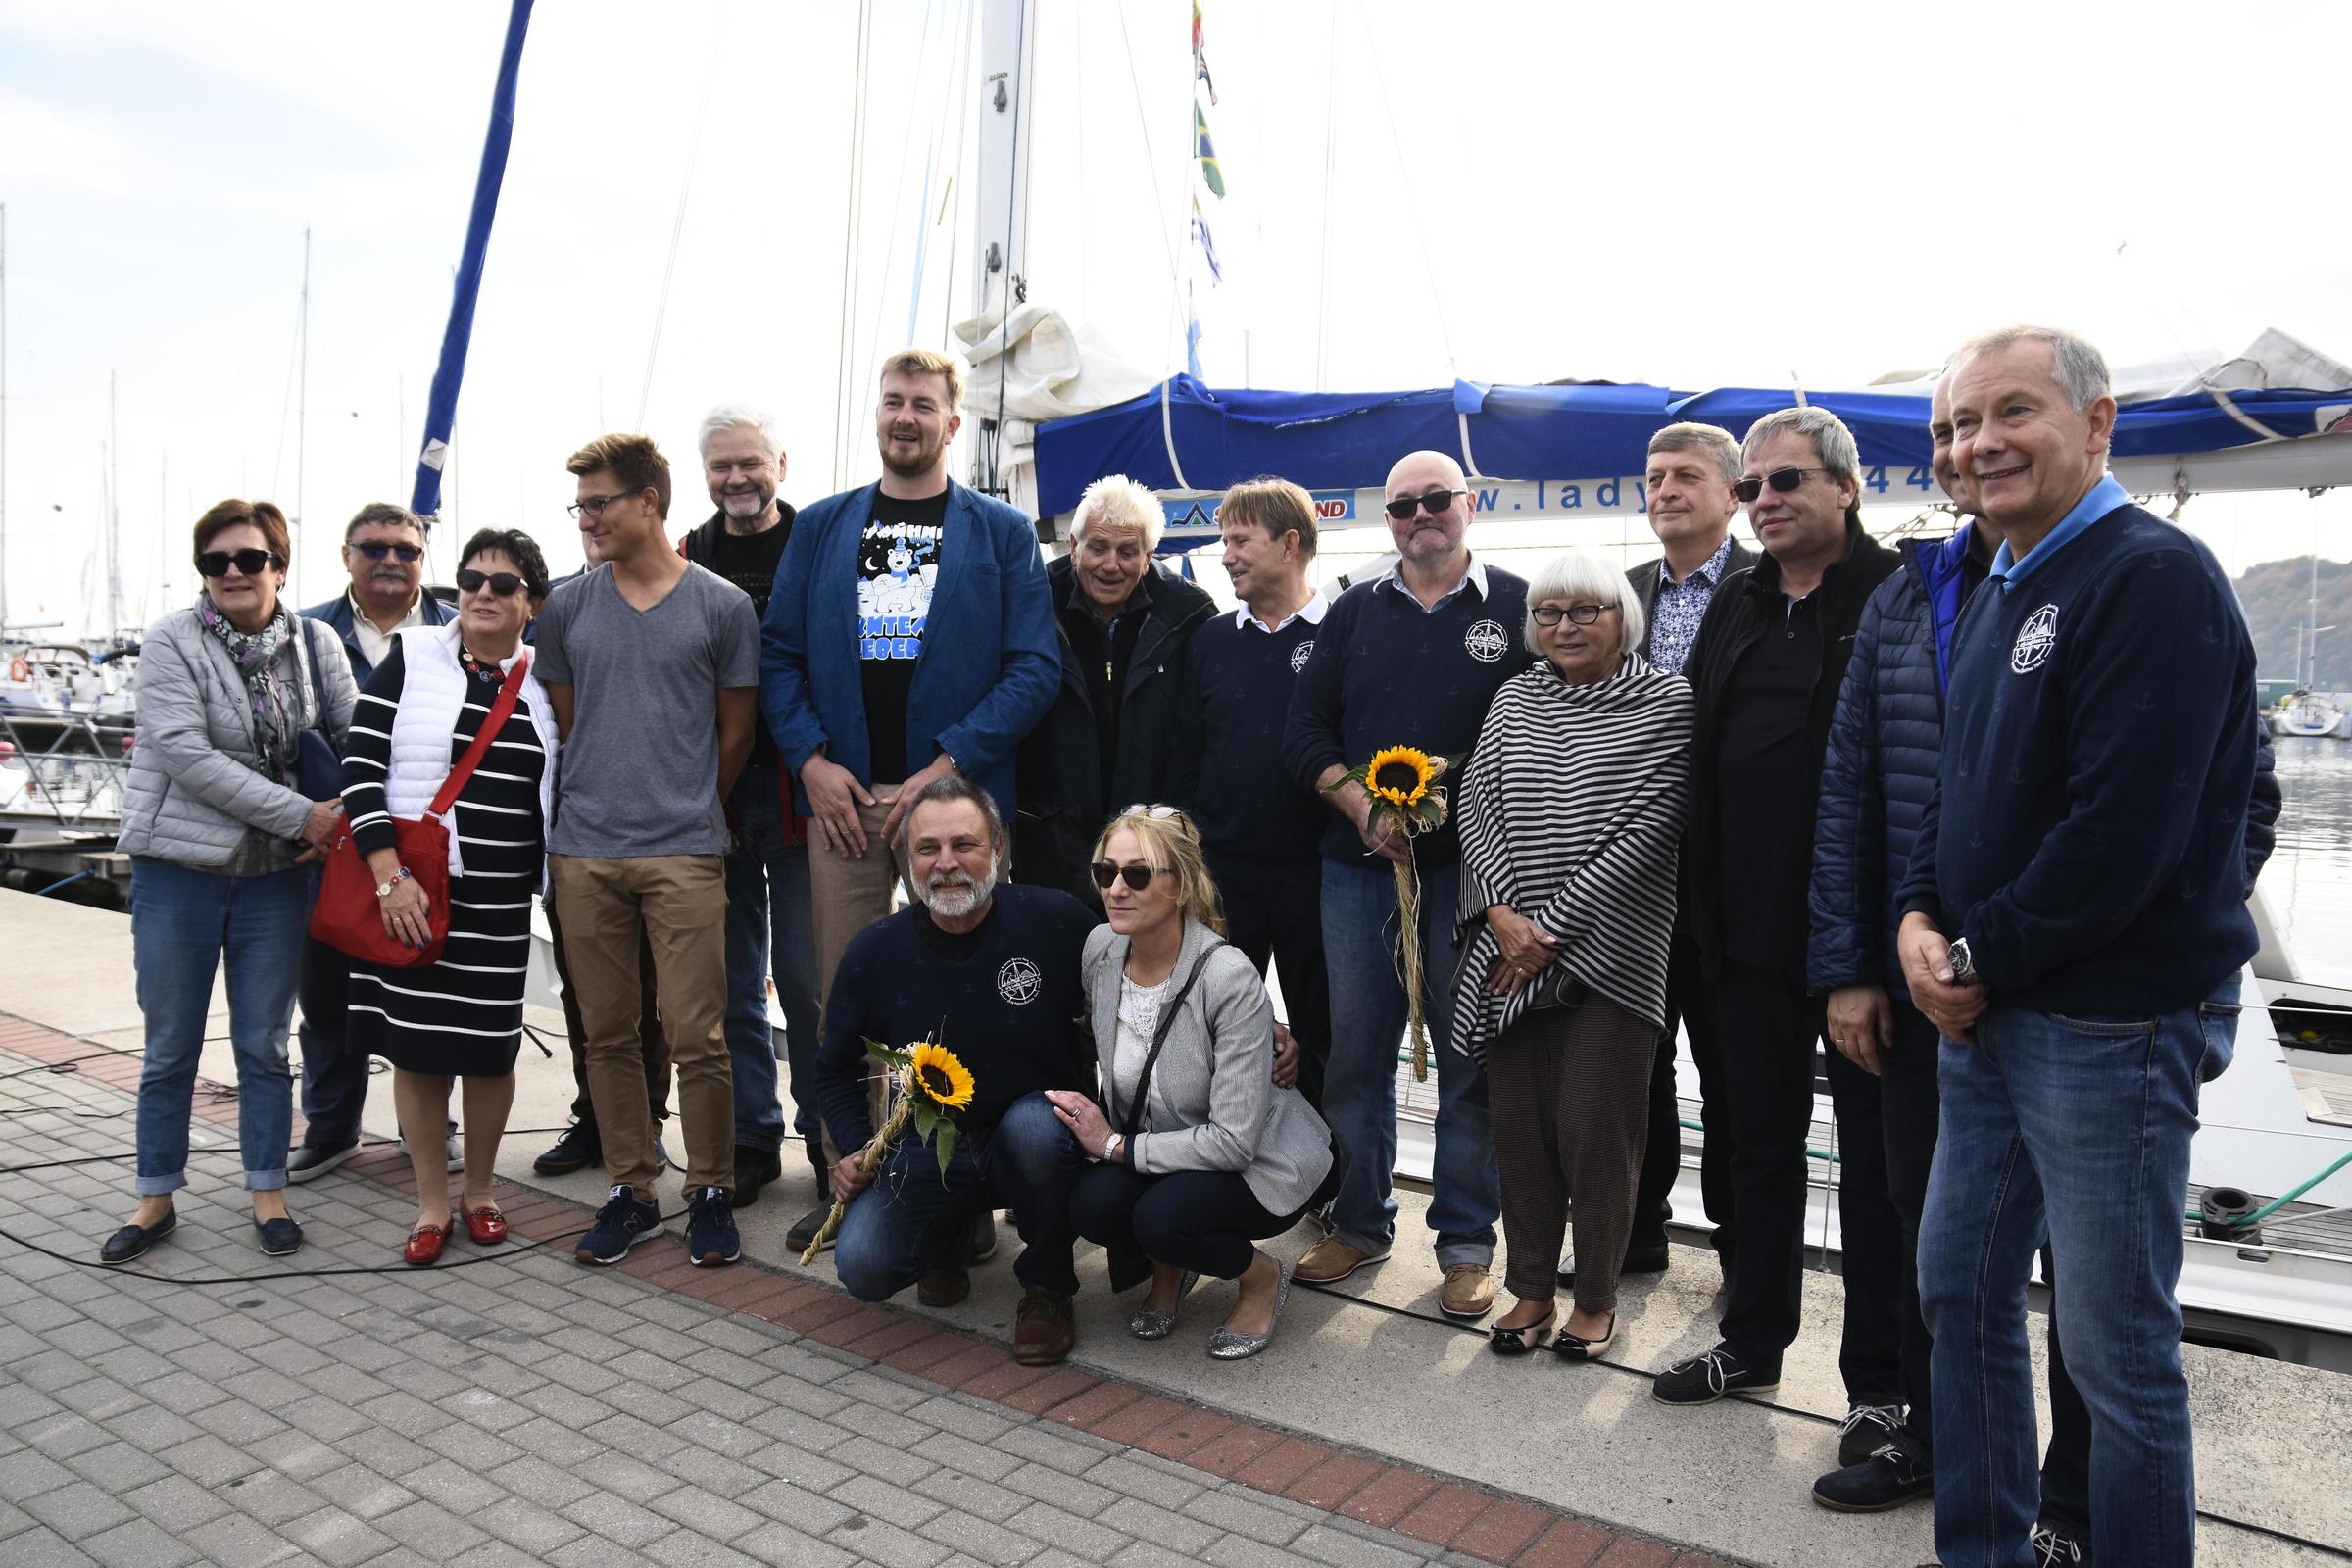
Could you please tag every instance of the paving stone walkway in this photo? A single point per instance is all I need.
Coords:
(524, 1409)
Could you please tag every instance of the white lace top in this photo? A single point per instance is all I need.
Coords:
(1139, 1022)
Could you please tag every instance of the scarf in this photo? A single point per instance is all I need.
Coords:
(277, 706)
(1572, 813)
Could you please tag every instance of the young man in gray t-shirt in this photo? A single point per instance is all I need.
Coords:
(652, 667)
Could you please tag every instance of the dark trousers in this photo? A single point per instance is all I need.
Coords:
(1770, 1029)
(1204, 1221)
(2066, 1463)
(1689, 1003)
(1274, 909)
(334, 1077)
(649, 1030)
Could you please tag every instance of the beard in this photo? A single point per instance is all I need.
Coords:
(962, 897)
(746, 506)
(925, 458)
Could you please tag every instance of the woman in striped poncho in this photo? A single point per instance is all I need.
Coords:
(1572, 817)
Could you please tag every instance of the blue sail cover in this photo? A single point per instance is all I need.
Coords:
(1345, 441)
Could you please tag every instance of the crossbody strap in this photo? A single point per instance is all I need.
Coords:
(508, 691)
(1159, 1036)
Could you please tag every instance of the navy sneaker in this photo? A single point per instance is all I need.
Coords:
(1704, 1379)
(710, 1235)
(620, 1225)
(2053, 1547)
(1890, 1477)
(1866, 1430)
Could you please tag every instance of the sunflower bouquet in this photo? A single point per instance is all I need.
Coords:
(933, 1086)
(1406, 788)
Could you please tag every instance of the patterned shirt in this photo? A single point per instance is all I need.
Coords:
(1674, 620)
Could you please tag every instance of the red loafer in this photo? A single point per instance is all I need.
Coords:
(486, 1225)
(425, 1244)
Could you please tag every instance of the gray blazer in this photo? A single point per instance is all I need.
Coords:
(1216, 1071)
(196, 787)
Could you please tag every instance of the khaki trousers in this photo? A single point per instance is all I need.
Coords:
(678, 904)
(846, 894)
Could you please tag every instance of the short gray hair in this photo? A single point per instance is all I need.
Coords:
(2080, 368)
(1692, 436)
(1579, 577)
(727, 416)
(1832, 440)
(1118, 502)
(952, 787)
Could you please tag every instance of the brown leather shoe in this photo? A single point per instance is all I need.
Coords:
(944, 1284)
(1331, 1259)
(1469, 1293)
(1044, 1328)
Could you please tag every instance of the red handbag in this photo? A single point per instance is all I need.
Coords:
(349, 917)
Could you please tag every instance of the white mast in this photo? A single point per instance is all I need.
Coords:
(302, 409)
(113, 519)
(1000, 248)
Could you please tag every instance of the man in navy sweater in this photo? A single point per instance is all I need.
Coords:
(1259, 827)
(1410, 658)
(992, 973)
(2073, 925)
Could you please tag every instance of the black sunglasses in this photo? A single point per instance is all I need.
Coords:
(505, 584)
(251, 562)
(1781, 479)
(1138, 877)
(1437, 502)
(378, 548)
(1574, 614)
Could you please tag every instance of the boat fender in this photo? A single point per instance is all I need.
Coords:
(18, 671)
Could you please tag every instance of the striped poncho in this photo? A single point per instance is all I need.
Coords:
(1572, 813)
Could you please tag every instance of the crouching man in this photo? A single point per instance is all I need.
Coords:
(992, 973)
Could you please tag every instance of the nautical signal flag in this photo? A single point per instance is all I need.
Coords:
(1206, 151)
(1208, 246)
(1201, 55)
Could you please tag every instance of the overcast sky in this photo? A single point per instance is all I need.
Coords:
(1700, 196)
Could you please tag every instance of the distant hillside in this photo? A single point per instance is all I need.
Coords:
(2277, 597)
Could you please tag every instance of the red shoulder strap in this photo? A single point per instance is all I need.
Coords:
(508, 691)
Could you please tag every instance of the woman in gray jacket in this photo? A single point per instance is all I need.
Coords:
(1202, 1154)
(216, 836)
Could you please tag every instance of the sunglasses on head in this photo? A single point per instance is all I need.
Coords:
(1157, 814)
(505, 584)
(1436, 503)
(1782, 480)
(1138, 877)
(251, 562)
(378, 548)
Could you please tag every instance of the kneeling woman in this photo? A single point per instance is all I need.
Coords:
(1201, 1155)
(461, 1015)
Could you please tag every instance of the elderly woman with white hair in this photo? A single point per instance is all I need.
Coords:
(1124, 625)
(1571, 815)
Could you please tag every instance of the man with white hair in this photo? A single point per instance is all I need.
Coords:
(992, 973)
(768, 860)
(1124, 622)
(2074, 924)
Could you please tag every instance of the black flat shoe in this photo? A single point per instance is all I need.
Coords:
(1575, 1348)
(133, 1240)
(279, 1236)
(1525, 1338)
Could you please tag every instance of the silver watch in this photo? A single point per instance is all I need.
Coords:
(1110, 1147)
(1964, 967)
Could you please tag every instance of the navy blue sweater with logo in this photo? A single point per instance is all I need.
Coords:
(1006, 997)
(1387, 672)
(1227, 768)
(2087, 833)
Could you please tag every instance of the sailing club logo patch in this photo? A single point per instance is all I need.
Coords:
(1018, 982)
(1486, 641)
(1300, 653)
(2034, 640)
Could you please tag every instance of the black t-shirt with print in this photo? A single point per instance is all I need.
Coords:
(898, 564)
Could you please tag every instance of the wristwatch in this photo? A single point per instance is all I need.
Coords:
(1110, 1147)
(1964, 967)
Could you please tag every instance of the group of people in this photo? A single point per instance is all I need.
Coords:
(1980, 812)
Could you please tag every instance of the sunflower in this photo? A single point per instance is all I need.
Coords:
(1400, 776)
(945, 1081)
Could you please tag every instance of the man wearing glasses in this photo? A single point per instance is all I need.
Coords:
(1765, 670)
(1411, 658)
(383, 549)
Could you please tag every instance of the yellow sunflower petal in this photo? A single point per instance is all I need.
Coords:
(1399, 774)
(941, 1077)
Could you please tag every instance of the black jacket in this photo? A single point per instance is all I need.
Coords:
(1644, 580)
(1737, 616)
(1063, 801)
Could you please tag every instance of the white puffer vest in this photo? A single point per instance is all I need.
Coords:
(432, 693)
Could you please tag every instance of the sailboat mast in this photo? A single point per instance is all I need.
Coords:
(302, 422)
(113, 517)
(1000, 254)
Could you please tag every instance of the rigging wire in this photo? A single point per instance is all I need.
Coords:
(677, 223)
(1429, 272)
(843, 372)
(890, 250)
(1158, 200)
(951, 208)
(1331, 172)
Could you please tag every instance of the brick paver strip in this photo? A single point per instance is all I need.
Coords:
(1377, 1492)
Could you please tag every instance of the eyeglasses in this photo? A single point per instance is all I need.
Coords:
(1138, 877)
(251, 562)
(1574, 614)
(1436, 503)
(595, 505)
(378, 548)
(1157, 814)
(1782, 480)
(505, 584)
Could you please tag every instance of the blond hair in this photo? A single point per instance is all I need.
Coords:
(1171, 847)
(929, 362)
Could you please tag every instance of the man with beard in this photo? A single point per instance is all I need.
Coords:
(871, 580)
(768, 857)
(383, 549)
(992, 973)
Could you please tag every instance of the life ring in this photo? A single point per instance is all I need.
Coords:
(20, 672)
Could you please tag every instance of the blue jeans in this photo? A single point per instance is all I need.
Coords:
(910, 1218)
(2078, 1128)
(183, 922)
(767, 914)
(1368, 1013)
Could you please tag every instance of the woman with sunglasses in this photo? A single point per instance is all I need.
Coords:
(1572, 813)
(1201, 1157)
(460, 1016)
(217, 833)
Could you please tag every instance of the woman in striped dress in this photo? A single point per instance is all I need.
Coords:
(462, 1015)
(1572, 815)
